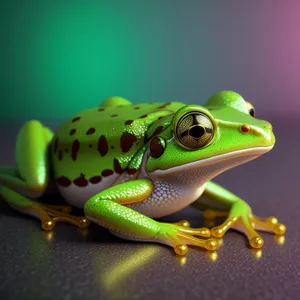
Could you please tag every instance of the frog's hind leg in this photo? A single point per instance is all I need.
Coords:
(269, 224)
(30, 177)
(48, 216)
(115, 101)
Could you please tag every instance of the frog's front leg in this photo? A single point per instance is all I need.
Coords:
(108, 209)
(30, 178)
(239, 216)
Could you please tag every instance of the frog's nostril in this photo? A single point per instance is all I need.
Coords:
(270, 126)
(245, 128)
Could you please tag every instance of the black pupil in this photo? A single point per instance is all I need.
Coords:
(197, 131)
(251, 112)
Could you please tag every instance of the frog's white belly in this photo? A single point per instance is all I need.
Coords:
(167, 197)
(176, 190)
(170, 194)
(77, 196)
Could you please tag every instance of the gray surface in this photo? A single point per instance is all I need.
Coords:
(100, 266)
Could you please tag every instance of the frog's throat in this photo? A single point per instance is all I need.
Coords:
(245, 155)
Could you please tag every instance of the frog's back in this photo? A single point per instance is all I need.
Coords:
(92, 149)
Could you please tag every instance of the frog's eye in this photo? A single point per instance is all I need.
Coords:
(194, 130)
(251, 109)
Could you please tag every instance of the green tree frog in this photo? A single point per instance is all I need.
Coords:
(126, 165)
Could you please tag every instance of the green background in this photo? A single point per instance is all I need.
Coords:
(58, 57)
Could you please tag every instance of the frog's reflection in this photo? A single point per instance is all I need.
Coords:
(114, 264)
(83, 231)
(257, 253)
(48, 235)
(126, 262)
(212, 255)
(279, 239)
(181, 260)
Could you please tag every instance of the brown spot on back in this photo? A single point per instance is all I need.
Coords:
(156, 132)
(72, 131)
(143, 116)
(102, 145)
(128, 122)
(114, 115)
(55, 145)
(156, 147)
(101, 109)
(95, 179)
(91, 145)
(107, 172)
(131, 171)
(80, 181)
(117, 167)
(76, 119)
(165, 105)
(75, 149)
(60, 155)
(137, 107)
(91, 131)
(63, 181)
(127, 140)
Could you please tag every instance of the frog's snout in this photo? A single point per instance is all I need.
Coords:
(246, 128)
(269, 126)
(265, 131)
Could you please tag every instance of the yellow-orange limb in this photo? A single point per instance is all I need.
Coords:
(220, 230)
(270, 225)
(204, 232)
(181, 240)
(57, 215)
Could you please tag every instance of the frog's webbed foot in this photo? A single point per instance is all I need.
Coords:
(61, 213)
(241, 219)
(203, 231)
(48, 214)
(269, 224)
(179, 236)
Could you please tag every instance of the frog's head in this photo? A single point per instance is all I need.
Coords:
(223, 133)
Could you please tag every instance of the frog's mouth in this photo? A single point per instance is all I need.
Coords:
(219, 163)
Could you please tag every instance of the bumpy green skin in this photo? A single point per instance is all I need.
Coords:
(113, 139)
(106, 136)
